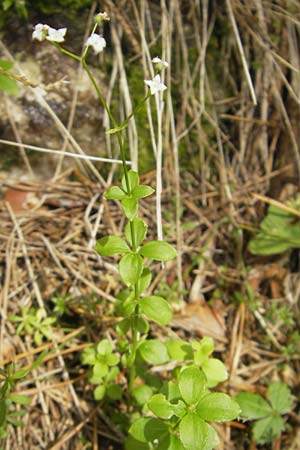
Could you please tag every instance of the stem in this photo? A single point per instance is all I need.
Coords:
(134, 319)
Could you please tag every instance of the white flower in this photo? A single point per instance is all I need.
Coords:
(97, 42)
(56, 35)
(40, 32)
(160, 62)
(155, 85)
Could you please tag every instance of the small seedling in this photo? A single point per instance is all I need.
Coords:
(34, 322)
(9, 377)
(267, 414)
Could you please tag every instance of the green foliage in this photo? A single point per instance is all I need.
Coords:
(34, 322)
(7, 83)
(182, 418)
(269, 423)
(199, 353)
(9, 400)
(279, 231)
(103, 372)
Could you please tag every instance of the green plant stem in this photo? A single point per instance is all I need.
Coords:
(133, 327)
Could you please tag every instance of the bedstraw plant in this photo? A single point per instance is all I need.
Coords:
(164, 412)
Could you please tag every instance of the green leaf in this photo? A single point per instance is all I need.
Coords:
(179, 350)
(111, 245)
(114, 391)
(253, 406)
(180, 409)
(130, 267)
(160, 406)
(144, 280)
(267, 429)
(278, 232)
(203, 349)
(104, 347)
(116, 129)
(142, 325)
(193, 432)
(170, 442)
(191, 382)
(133, 179)
(88, 356)
(218, 407)
(215, 371)
(212, 438)
(154, 352)
(20, 374)
(159, 250)
(280, 397)
(19, 399)
(139, 228)
(6, 65)
(99, 392)
(123, 327)
(8, 85)
(100, 369)
(129, 206)
(112, 359)
(133, 444)
(142, 191)
(172, 391)
(115, 193)
(147, 429)
(142, 394)
(157, 309)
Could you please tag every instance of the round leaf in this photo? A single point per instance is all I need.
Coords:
(193, 432)
(160, 406)
(99, 392)
(142, 394)
(111, 245)
(215, 371)
(192, 382)
(130, 267)
(100, 370)
(154, 352)
(114, 391)
(147, 429)
(218, 407)
(157, 309)
(159, 250)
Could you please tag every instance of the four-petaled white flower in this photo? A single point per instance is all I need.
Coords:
(160, 62)
(155, 85)
(97, 42)
(40, 32)
(56, 35)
